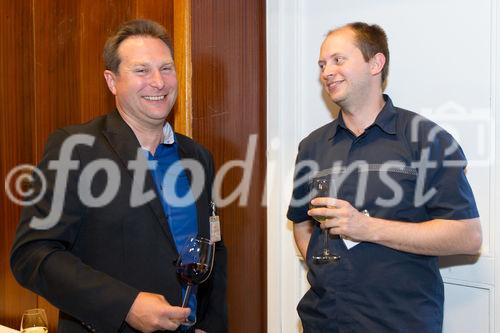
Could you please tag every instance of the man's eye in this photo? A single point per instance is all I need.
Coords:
(339, 60)
(140, 70)
(166, 69)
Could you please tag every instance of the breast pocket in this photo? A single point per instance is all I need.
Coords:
(391, 190)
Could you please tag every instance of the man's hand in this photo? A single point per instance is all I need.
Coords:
(342, 218)
(199, 331)
(151, 312)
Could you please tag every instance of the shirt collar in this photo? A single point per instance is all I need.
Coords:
(386, 119)
(168, 134)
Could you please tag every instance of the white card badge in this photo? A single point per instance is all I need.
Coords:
(348, 242)
(214, 229)
(214, 225)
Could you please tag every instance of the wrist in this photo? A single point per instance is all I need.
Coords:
(375, 229)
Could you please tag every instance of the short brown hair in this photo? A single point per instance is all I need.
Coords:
(370, 39)
(139, 27)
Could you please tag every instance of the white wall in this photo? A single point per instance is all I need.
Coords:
(445, 65)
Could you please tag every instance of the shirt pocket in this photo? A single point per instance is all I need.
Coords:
(391, 190)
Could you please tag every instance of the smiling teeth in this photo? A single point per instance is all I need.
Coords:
(154, 98)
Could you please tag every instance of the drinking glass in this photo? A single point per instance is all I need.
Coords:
(34, 321)
(193, 267)
(322, 187)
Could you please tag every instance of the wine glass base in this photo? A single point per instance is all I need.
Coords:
(324, 259)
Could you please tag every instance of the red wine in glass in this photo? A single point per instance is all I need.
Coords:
(193, 273)
(194, 266)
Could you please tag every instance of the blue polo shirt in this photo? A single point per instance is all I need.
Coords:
(176, 198)
(403, 168)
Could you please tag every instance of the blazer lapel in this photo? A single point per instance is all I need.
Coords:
(124, 142)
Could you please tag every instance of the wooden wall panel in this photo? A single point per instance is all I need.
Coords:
(57, 58)
(17, 135)
(229, 98)
(183, 114)
(98, 20)
(160, 11)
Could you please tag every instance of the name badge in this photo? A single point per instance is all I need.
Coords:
(214, 225)
(214, 228)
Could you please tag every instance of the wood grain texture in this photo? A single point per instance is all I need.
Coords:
(183, 116)
(56, 54)
(17, 135)
(229, 98)
(98, 21)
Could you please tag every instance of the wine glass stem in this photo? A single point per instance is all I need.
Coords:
(185, 301)
(325, 241)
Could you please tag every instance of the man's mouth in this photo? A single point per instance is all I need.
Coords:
(154, 98)
(333, 84)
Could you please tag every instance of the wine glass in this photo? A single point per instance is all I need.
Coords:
(321, 187)
(34, 321)
(193, 267)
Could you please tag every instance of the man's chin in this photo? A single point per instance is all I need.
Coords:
(158, 112)
(337, 98)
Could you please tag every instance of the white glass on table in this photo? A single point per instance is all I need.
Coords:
(34, 321)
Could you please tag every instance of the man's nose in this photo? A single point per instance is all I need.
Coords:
(328, 72)
(157, 80)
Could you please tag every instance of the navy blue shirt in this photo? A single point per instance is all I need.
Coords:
(403, 168)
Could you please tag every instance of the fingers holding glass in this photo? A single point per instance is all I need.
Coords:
(322, 188)
(194, 266)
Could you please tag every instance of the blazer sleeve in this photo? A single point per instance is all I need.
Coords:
(212, 303)
(43, 261)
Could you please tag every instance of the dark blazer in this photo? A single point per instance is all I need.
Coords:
(95, 260)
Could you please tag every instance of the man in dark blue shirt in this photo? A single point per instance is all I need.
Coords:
(400, 199)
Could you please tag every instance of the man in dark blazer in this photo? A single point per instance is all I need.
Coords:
(107, 260)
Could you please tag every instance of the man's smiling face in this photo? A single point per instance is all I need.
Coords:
(345, 74)
(146, 84)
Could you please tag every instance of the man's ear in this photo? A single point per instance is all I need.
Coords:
(110, 78)
(377, 63)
